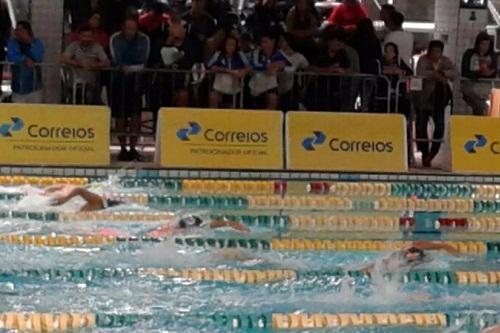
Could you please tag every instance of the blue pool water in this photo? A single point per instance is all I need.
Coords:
(179, 305)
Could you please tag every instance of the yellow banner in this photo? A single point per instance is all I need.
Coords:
(220, 139)
(35, 134)
(475, 144)
(346, 142)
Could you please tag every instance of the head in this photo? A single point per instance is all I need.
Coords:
(177, 32)
(435, 50)
(302, 6)
(197, 6)
(267, 42)
(130, 28)
(334, 45)
(230, 45)
(385, 11)
(396, 20)
(391, 52)
(95, 20)
(86, 36)
(23, 31)
(285, 42)
(245, 41)
(414, 255)
(190, 222)
(484, 43)
(365, 27)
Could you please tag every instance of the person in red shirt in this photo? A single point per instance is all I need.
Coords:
(100, 36)
(348, 14)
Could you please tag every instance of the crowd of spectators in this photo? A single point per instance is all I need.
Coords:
(253, 55)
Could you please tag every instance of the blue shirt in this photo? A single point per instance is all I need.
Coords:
(238, 61)
(25, 80)
(260, 61)
(134, 52)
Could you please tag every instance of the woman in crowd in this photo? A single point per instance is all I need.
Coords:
(230, 66)
(301, 24)
(347, 14)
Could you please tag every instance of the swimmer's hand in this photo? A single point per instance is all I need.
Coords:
(235, 225)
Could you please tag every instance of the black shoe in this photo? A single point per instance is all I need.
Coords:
(123, 156)
(134, 155)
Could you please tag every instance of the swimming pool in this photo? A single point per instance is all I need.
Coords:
(299, 269)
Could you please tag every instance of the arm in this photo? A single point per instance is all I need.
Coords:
(335, 16)
(235, 225)
(449, 69)
(103, 59)
(68, 55)
(424, 68)
(433, 246)
(36, 51)
(91, 198)
(466, 70)
(14, 53)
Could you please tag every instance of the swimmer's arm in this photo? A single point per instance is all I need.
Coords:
(55, 188)
(235, 225)
(93, 200)
(423, 245)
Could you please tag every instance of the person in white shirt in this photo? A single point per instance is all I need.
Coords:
(403, 39)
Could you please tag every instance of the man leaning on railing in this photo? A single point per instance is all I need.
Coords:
(24, 50)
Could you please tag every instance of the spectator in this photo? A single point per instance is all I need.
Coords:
(385, 12)
(86, 56)
(266, 17)
(396, 35)
(367, 46)
(267, 61)
(200, 24)
(394, 68)
(437, 71)
(287, 81)
(114, 12)
(301, 24)
(230, 66)
(245, 44)
(5, 27)
(479, 63)
(25, 51)
(180, 53)
(348, 14)
(324, 93)
(100, 36)
(130, 52)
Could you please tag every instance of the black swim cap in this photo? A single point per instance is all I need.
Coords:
(190, 222)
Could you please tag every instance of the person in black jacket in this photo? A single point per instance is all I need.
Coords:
(479, 63)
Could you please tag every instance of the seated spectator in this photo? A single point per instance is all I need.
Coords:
(265, 17)
(348, 14)
(367, 46)
(130, 52)
(200, 24)
(267, 61)
(25, 51)
(287, 82)
(100, 36)
(437, 71)
(325, 92)
(301, 24)
(180, 53)
(394, 68)
(479, 63)
(86, 56)
(230, 66)
(245, 44)
(396, 35)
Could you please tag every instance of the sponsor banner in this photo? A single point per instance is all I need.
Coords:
(220, 139)
(475, 144)
(322, 141)
(36, 134)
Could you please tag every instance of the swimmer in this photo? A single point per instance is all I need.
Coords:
(495, 329)
(60, 194)
(411, 257)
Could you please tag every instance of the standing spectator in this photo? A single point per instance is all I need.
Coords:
(86, 56)
(479, 63)
(25, 51)
(266, 17)
(130, 52)
(100, 36)
(230, 66)
(200, 24)
(301, 24)
(267, 61)
(437, 71)
(348, 14)
(5, 27)
(288, 83)
(396, 35)
(385, 12)
(367, 46)
(180, 53)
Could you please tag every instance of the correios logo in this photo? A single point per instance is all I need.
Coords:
(480, 141)
(15, 125)
(336, 144)
(220, 136)
(37, 131)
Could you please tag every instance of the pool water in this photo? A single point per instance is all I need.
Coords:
(106, 278)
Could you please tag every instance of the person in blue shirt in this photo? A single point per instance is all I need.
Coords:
(230, 66)
(25, 51)
(130, 52)
(267, 61)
